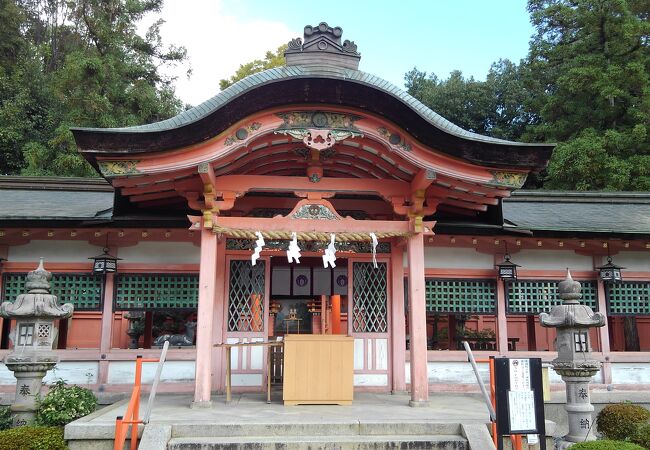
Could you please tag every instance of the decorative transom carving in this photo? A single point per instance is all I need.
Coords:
(315, 211)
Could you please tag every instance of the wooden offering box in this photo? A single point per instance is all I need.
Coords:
(318, 369)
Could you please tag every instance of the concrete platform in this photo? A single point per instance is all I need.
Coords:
(372, 421)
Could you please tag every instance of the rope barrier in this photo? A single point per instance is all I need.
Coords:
(306, 235)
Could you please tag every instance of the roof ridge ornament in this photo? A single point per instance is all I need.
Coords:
(322, 46)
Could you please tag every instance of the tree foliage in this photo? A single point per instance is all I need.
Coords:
(592, 61)
(77, 63)
(271, 60)
(585, 84)
(494, 107)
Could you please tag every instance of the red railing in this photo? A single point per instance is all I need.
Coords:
(132, 415)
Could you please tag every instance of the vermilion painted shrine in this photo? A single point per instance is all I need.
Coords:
(317, 148)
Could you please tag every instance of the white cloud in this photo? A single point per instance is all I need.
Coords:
(217, 43)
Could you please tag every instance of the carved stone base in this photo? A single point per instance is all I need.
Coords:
(28, 389)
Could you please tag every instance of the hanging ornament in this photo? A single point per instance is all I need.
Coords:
(330, 253)
(259, 243)
(374, 249)
(294, 251)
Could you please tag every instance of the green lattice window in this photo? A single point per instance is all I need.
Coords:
(370, 312)
(156, 291)
(460, 296)
(83, 290)
(536, 296)
(629, 298)
(246, 296)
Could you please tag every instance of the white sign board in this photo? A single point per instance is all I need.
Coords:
(521, 406)
(519, 375)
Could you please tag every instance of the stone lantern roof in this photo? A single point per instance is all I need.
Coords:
(571, 313)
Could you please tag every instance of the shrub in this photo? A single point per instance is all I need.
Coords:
(32, 438)
(63, 404)
(621, 420)
(5, 418)
(605, 445)
(642, 436)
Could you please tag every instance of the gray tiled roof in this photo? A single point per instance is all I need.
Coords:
(287, 72)
(52, 198)
(595, 212)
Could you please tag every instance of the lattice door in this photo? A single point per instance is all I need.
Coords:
(246, 311)
(369, 324)
(246, 296)
(369, 297)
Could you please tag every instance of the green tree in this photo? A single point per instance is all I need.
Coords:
(494, 107)
(591, 66)
(78, 63)
(271, 60)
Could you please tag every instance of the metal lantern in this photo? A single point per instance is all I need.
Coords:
(104, 263)
(507, 269)
(2, 260)
(610, 271)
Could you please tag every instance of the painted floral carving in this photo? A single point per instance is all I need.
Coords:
(118, 168)
(395, 140)
(242, 133)
(510, 179)
(315, 212)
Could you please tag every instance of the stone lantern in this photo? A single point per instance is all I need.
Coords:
(33, 339)
(574, 361)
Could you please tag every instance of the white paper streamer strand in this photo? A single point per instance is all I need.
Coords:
(259, 243)
(330, 253)
(374, 249)
(294, 251)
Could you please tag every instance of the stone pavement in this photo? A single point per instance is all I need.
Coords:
(249, 415)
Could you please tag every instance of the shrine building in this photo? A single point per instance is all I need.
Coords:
(320, 150)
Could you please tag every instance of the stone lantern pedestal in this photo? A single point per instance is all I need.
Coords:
(574, 361)
(33, 340)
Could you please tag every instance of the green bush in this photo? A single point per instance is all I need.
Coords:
(63, 404)
(6, 418)
(605, 445)
(642, 436)
(32, 438)
(620, 421)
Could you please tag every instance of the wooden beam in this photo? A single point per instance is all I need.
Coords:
(312, 225)
(439, 191)
(246, 183)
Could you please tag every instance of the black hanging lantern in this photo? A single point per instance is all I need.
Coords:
(104, 263)
(2, 260)
(610, 272)
(507, 269)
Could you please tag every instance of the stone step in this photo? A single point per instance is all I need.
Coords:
(397, 427)
(352, 442)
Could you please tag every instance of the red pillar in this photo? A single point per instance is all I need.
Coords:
(336, 314)
(398, 320)
(205, 316)
(417, 322)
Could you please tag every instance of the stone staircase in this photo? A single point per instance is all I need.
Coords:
(355, 435)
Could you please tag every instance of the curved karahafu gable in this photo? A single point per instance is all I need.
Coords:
(320, 71)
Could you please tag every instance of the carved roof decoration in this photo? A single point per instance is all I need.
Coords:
(322, 43)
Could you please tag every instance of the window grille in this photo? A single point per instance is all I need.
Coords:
(532, 297)
(628, 298)
(370, 312)
(158, 291)
(246, 296)
(84, 291)
(460, 296)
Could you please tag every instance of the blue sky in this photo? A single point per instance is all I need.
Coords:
(392, 36)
